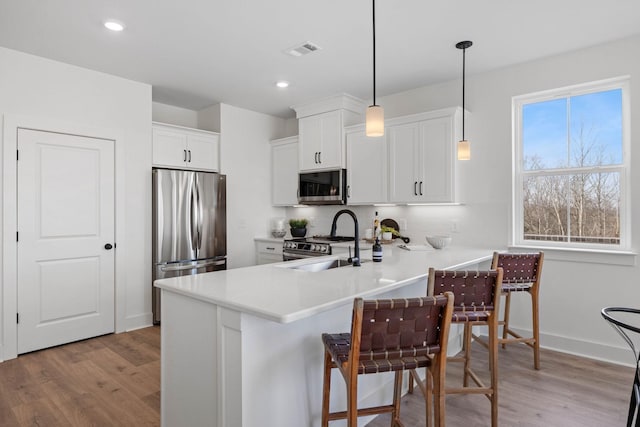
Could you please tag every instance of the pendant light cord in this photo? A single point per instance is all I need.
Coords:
(463, 82)
(374, 52)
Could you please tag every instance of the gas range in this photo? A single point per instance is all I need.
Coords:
(306, 247)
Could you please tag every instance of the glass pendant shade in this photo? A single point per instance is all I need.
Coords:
(375, 121)
(464, 150)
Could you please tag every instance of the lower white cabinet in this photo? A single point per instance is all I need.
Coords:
(284, 171)
(367, 171)
(268, 252)
(185, 148)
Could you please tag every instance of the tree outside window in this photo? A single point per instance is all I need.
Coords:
(571, 167)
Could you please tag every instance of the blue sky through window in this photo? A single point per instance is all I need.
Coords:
(557, 132)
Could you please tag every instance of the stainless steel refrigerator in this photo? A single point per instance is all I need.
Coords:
(189, 225)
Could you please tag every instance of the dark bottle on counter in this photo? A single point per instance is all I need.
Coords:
(377, 251)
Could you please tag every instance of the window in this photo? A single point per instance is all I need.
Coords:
(571, 167)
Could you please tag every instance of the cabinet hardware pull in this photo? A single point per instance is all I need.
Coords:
(270, 248)
(415, 188)
(348, 191)
(319, 156)
(315, 157)
(421, 188)
(185, 156)
(189, 156)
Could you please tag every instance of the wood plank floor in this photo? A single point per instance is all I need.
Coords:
(567, 391)
(114, 380)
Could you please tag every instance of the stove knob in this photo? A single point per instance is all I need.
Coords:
(314, 248)
(325, 249)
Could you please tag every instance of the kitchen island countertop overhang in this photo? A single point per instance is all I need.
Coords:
(283, 294)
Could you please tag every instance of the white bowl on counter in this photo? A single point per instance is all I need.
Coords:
(439, 241)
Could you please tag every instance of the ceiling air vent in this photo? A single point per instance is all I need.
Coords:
(302, 49)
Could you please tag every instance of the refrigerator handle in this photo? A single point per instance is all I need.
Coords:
(194, 219)
(200, 215)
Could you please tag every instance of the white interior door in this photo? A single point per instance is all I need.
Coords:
(65, 220)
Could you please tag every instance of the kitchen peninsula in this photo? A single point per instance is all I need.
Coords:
(242, 347)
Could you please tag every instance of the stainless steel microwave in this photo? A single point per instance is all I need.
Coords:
(323, 187)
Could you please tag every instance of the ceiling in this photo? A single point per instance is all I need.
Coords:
(196, 53)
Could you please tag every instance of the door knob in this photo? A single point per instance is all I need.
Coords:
(108, 246)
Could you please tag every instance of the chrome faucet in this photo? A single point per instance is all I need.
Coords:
(355, 260)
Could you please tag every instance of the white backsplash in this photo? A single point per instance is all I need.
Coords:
(420, 220)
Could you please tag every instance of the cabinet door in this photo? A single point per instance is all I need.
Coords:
(367, 175)
(321, 141)
(436, 169)
(332, 149)
(284, 172)
(169, 148)
(404, 162)
(202, 152)
(310, 129)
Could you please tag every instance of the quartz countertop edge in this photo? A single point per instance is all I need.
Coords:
(282, 294)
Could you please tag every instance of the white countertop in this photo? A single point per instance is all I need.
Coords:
(285, 295)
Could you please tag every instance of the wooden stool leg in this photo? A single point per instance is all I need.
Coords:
(410, 391)
(326, 389)
(493, 366)
(428, 396)
(397, 396)
(507, 309)
(536, 329)
(467, 354)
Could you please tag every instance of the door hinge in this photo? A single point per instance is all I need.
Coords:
(17, 317)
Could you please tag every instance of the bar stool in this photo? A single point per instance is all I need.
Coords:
(621, 327)
(390, 335)
(521, 274)
(476, 300)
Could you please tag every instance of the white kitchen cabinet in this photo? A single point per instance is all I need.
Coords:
(185, 148)
(367, 167)
(421, 157)
(321, 131)
(268, 251)
(321, 141)
(284, 171)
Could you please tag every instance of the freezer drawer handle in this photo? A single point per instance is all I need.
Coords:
(194, 266)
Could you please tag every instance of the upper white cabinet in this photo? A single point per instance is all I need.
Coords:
(284, 171)
(421, 157)
(367, 170)
(185, 148)
(321, 131)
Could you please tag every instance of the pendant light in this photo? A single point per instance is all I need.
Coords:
(375, 113)
(464, 148)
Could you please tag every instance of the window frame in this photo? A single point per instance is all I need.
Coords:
(519, 174)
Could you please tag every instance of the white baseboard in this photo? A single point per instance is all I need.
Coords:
(619, 355)
(138, 322)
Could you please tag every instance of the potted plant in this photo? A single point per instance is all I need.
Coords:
(298, 227)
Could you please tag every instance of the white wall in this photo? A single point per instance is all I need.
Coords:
(174, 115)
(39, 88)
(245, 159)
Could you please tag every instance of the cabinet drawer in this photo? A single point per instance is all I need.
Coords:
(269, 247)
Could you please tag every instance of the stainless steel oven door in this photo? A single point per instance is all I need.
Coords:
(291, 256)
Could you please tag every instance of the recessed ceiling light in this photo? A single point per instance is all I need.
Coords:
(282, 84)
(114, 25)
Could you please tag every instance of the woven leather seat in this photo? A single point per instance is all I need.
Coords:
(521, 274)
(476, 299)
(390, 335)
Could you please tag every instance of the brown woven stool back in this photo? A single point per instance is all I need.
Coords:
(518, 268)
(472, 290)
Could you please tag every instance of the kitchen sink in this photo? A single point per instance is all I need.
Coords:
(324, 265)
